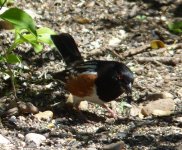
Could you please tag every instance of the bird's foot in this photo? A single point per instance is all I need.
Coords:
(113, 114)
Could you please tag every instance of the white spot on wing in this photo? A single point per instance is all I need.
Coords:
(89, 72)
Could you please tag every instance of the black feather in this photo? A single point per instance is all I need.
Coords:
(67, 47)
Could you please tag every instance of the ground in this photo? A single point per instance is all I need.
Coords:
(119, 30)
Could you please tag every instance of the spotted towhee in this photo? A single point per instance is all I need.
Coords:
(95, 81)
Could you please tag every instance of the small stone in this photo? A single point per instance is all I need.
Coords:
(114, 42)
(13, 119)
(167, 95)
(21, 136)
(162, 95)
(115, 146)
(178, 119)
(180, 92)
(96, 44)
(35, 138)
(160, 107)
(135, 110)
(90, 4)
(22, 144)
(4, 140)
(83, 105)
(27, 108)
(46, 115)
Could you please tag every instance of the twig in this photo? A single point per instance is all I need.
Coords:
(114, 53)
(164, 60)
(135, 51)
(168, 47)
(3, 4)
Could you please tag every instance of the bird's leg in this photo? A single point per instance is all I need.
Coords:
(76, 104)
(113, 114)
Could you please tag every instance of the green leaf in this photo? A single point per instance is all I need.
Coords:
(29, 38)
(141, 17)
(37, 47)
(175, 27)
(13, 59)
(1, 58)
(20, 19)
(44, 35)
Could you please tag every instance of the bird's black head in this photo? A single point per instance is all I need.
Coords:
(125, 77)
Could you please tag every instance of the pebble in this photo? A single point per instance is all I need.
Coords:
(160, 107)
(180, 92)
(135, 110)
(83, 105)
(34, 138)
(46, 115)
(178, 119)
(4, 140)
(162, 95)
(114, 42)
(115, 146)
(13, 119)
(21, 136)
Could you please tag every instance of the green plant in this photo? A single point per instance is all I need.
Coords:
(25, 31)
(175, 27)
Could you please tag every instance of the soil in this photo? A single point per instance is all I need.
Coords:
(120, 30)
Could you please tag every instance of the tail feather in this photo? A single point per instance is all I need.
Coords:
(67, 47)
(59, 76)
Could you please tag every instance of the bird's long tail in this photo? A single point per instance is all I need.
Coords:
(67, 47)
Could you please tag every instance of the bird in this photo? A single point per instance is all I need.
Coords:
(97, 81)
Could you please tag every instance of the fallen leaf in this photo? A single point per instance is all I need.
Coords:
(156, 44)
(81, 20)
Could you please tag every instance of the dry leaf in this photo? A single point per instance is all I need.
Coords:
(156, 44)
(81, 20)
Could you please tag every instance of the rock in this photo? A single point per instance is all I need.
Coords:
(13, 119)
(27, 108)
(114, 42)
(90, 4)
(178, 119)
(12, 111)
(180, 92)
(115, 146)
(135, 110)
(46, 115)
(4, 140)
(83, 105)
(167, 95)
(34, 138)
(21, 136)
(95, 44)
(160, 107)
(162, 95)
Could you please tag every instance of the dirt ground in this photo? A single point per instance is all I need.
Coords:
(119, 30)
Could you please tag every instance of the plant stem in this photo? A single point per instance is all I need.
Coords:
(3, 4)
(12, 81)
(11, 75)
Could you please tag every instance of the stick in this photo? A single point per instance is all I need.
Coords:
(164, 60)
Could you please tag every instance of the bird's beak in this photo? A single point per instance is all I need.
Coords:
(129, 89)
(129, 93)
